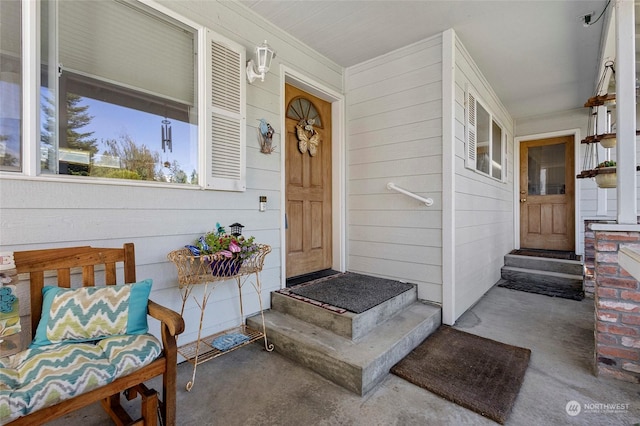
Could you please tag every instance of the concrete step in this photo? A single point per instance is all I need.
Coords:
(350, 325)
(571, 267)
(535, 276)
(355, 365)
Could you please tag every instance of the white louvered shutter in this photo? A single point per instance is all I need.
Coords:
(471, 151)
(225, 164)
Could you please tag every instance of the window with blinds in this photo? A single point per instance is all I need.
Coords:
(120, 96)
(485, 139)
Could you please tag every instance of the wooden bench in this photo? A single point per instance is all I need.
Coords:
(64, 262)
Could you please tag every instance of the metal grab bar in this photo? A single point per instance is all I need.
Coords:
(427, 201)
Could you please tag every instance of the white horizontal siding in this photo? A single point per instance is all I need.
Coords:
(39, 213)
(483, 218)
(394, 134)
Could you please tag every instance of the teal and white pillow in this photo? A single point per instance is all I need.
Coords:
(92, 313)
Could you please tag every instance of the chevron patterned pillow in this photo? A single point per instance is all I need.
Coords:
(90, 313)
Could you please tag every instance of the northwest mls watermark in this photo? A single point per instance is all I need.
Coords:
(574, 408)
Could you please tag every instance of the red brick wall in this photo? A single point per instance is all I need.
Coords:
(589, 260)
(617, 307)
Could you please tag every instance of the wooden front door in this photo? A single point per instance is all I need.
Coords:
(547, 194)
(308, 182)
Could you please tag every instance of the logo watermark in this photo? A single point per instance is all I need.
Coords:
(573, 408)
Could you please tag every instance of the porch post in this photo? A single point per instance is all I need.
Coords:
(626, 112)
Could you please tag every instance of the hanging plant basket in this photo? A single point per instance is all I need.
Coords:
(609, 140)
(606, 177)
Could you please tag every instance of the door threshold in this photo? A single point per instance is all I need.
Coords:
(301, 279)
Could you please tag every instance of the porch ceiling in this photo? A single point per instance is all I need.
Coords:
(537, 55)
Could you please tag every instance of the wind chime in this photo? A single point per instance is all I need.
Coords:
(167, 142)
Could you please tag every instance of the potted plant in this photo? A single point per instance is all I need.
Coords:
(606, 176)
(225, 252)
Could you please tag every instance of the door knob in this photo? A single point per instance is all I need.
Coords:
(522, 200)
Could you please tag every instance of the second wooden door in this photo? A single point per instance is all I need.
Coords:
(547, 194)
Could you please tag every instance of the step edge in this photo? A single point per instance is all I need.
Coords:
(349, 344)
(545, 273)
(546, 259)
(352, 323)
(363, 376)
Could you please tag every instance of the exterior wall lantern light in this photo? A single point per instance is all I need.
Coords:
(264, 55)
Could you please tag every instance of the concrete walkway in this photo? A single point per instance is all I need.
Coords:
(252, 387)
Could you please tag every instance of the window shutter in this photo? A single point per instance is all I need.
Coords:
(225, 151)
(471, 151)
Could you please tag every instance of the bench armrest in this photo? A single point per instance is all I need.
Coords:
(171, 319)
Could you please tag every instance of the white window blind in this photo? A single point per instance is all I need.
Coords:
(226, 120)
(119, 43)
(10, 41)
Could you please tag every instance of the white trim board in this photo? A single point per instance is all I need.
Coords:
(448, 177)
(629, 259)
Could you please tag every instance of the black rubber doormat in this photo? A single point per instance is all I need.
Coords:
(301, 279)
(572, 292)
(480, 374)
(550, 254)
(353, 292)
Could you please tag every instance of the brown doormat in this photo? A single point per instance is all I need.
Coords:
(477, 373)
(552, 254)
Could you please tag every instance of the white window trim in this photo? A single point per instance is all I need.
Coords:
(31, 106)
(471, 152)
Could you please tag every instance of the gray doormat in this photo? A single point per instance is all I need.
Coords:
(353, 292)
(477, 373)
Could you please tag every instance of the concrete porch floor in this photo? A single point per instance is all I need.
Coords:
(252, 387)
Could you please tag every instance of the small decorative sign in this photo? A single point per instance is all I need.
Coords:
(7, 261)
(9, 303)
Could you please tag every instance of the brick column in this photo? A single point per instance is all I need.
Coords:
(617, 308)
(589, 260)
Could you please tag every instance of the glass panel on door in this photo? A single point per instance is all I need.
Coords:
(547, 170)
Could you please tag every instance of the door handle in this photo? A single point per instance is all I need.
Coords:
(523, 200)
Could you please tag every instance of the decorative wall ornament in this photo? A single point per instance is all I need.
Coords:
(265, 137)
(308, 138)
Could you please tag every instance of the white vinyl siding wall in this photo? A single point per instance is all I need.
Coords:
(484, 223)
(394, 134)
(58, 212)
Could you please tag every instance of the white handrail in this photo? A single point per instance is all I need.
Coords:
(427, 201)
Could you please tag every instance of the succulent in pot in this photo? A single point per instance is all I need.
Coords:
(608, 163)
